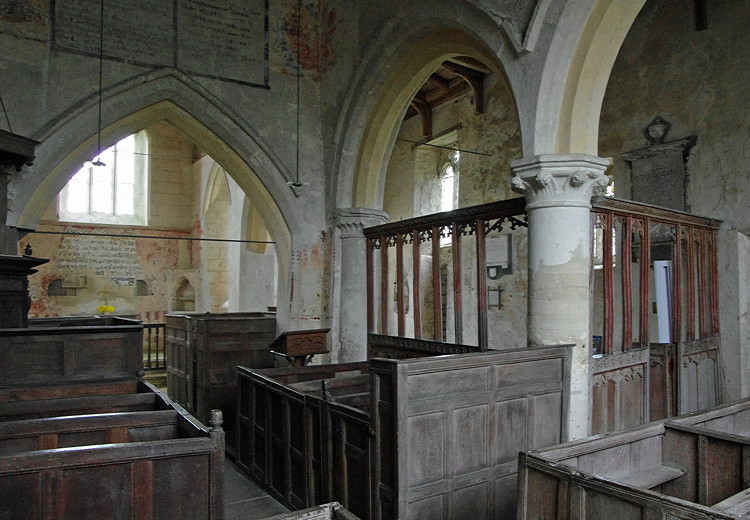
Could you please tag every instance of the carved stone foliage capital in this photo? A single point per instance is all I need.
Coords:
(559, 180)
(351, 221)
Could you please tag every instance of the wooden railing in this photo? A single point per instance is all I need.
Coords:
(424, 234)
(639, 372)
(154, 352)
(687, 241)
(655, 314)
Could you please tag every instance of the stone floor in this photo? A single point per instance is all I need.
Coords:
(243, 499)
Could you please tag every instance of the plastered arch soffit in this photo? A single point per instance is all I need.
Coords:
(215, 185)
(399, 61)
(135, 104)
(587, 39)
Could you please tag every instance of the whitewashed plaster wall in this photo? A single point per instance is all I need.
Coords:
(170, 217)
(251, 268)
(212, 222)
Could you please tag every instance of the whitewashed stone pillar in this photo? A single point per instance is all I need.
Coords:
(558, 191)
(352, 300)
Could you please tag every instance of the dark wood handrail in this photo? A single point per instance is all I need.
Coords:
(477, 221)
(655, 213)
(488, 211)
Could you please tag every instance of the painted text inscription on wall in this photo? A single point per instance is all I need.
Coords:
(223, 40)
(113, 258)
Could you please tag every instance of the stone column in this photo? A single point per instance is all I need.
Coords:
(558, 191)
(352, 301)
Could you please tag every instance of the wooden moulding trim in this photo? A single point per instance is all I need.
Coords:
(85, 423)
(590, 445)
(104, 454)
(490, 211)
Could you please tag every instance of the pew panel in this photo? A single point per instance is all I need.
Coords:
(438, 438)
(679, 468)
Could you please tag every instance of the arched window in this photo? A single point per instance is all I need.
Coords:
(449, 187)
(448, 181)
(115, 193)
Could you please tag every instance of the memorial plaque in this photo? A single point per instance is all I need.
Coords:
(222, 40)
(659, 176)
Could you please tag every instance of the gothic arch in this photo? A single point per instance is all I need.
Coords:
(587, 39)
(389, 80)
(137, 103)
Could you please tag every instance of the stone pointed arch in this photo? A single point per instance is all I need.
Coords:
(420, 36)
(587, 39)
(134, 104)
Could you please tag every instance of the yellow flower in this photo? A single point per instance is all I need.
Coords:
(105, 308)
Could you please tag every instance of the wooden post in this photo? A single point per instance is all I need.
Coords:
(457, 300)
(416, 300)
(482, 285)
(437, 307)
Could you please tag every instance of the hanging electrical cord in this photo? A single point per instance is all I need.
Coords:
(423, 143)
(297, 183)
(190, 239)
(98, 161)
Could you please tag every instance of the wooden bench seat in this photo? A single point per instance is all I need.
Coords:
(648, 478)
(330, 511)
(737, 505)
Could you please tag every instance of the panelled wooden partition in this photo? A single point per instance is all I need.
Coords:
(641, 372)
(692, 467)
(427, 234)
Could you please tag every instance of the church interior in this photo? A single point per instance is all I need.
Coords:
(396, 243)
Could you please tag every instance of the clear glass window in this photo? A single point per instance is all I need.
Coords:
(113, 193)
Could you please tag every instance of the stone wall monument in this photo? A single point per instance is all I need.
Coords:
(658, 172)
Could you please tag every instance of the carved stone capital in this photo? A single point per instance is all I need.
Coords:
(351, 221)
(559, 180)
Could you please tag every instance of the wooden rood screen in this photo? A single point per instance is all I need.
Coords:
(656, 321)
(429, 263)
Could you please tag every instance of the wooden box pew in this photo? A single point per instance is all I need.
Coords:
(82, 438)
(437, 437)
(145, 465)
(662, 470)
(288, 438)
